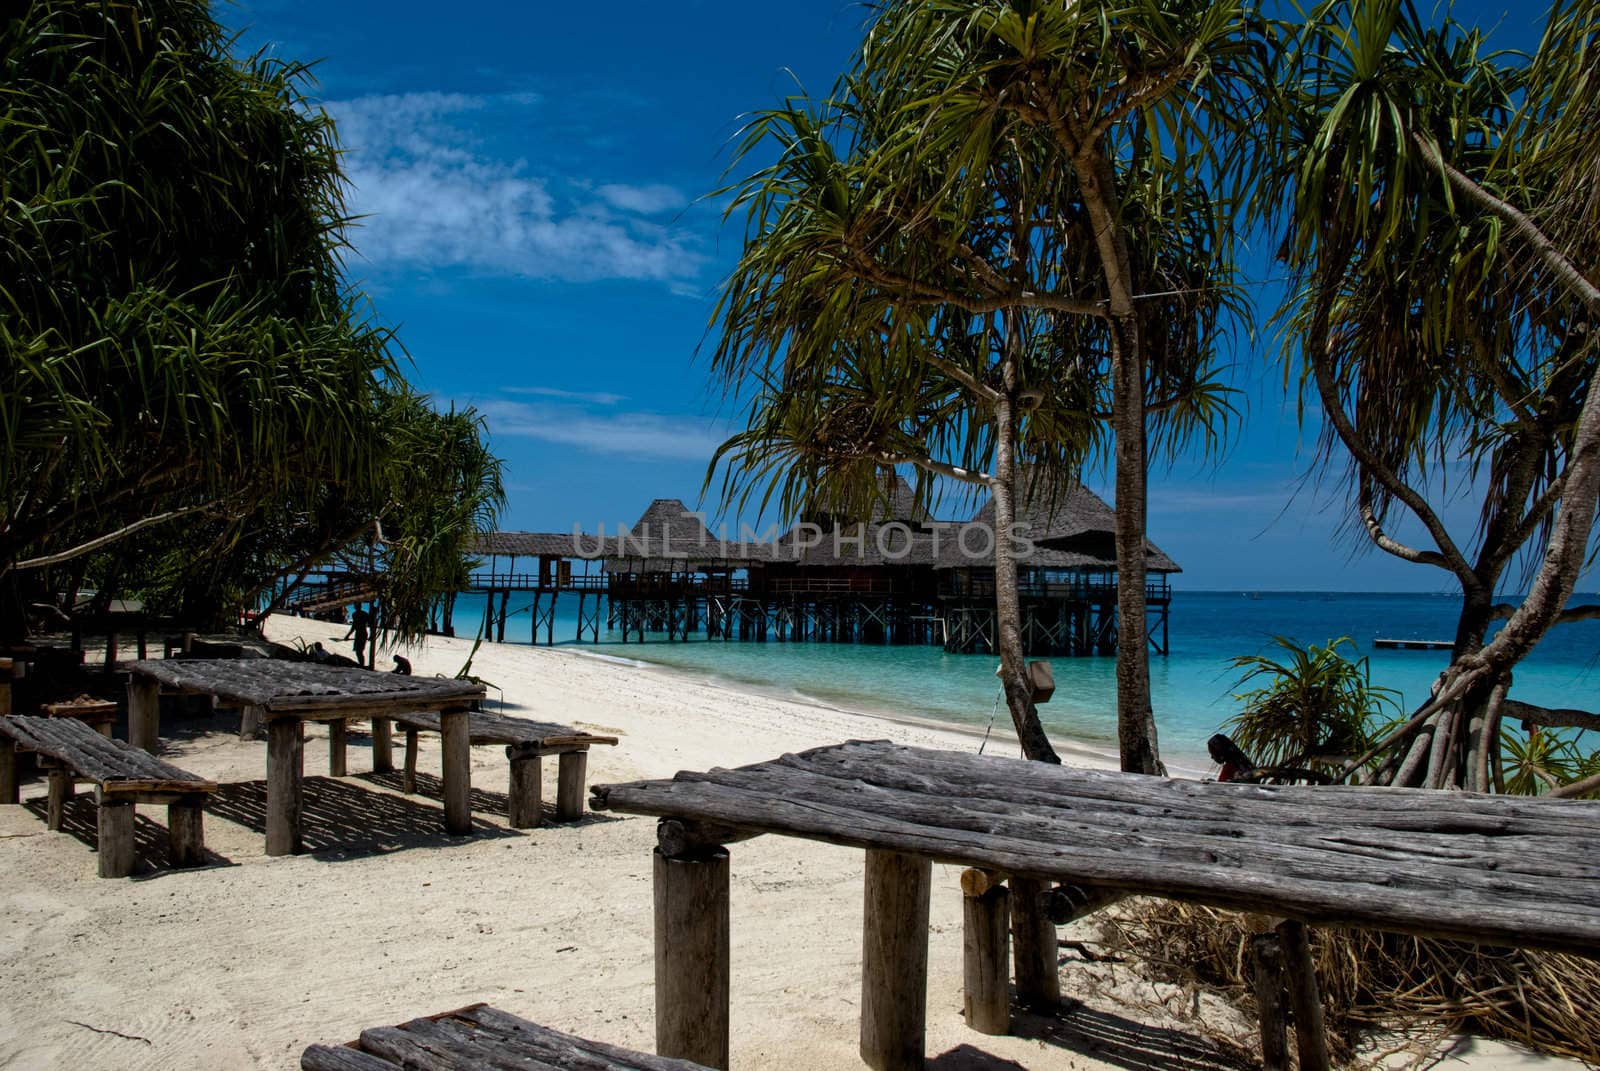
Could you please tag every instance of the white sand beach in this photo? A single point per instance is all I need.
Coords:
(242, 964)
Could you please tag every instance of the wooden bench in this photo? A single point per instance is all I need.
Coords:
(123, 775)
(477, 1038)
(1489, 869)
(526, 743)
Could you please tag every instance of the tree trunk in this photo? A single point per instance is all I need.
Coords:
(1136, 723)
(1007, 604)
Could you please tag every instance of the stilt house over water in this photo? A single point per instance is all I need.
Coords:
(902, 577)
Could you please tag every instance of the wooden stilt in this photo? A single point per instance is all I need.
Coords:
(894, 960)
(186, 838)
(338, 741)
(6, 666)
(572, 769)
(408, 780)
(250, 719)
(1033, 940)
(114, 842)
(144, 712)
(1305, 996)
(382, 745)
(1267, 953)
(691, 917)
(285, 784)
(457, 763)
(985, 952)
(9, 782)
(60, 781)
(523, 807)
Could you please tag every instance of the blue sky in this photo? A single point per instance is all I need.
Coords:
(532, 177)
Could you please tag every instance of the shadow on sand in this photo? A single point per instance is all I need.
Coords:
(80, 819)
(483, 802)
(1105, 1037)
(342, 821)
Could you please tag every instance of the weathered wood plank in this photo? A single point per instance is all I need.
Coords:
(571, 773)
(186, 837)
(114, 842)
(485, 727)
(1033, 944)
(341, 1058)
(985, 953)
(114, 764)
(457, 772)
(283, 686)
(1513, 871)
(523, 808)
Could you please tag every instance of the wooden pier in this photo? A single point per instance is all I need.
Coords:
(1413, 645)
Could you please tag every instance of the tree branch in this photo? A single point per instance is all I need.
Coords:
(1552, 717)
(1586, 612)
(111, 537)
(1390, 545)
(1524, 228)
(963, 377)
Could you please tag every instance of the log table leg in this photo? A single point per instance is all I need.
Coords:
(523, 807)
(1267, 953)
(285, 787)
(894, 960)
(60, 781)
(985, 952)
(1305, 998)
(457, 763)
(9, 786)
(408, 779)
(1033, 939)
(144, 712)
(186, 836)
(115, 841)
(572, 771)
(382, 745)
(250, 719)
(691, 916)
(338, 741)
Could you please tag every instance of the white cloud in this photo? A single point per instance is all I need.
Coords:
(645, 200)
(634, 434)
(592, 397)
(434, 196)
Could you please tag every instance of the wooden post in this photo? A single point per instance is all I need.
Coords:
(111, 655)
(523, 808)
(186, 837)
(1033, 941)
(9, 782)
(985, 952)
(144, 712)
(115, 840)
(382, 745)
(60, 792)
(408, 780)
(1305, 997)
(338, 738)
(571, 772)
(894, 960)
(250, 719)
(1268, 956)
(5, 686)
(285, 774)
(457, 764)
(691, 916)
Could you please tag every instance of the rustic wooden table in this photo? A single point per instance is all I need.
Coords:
(1495, 870)
(286, 695)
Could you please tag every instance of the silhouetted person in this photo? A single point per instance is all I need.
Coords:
(402, 666)
(1230, 756)
(361, 629)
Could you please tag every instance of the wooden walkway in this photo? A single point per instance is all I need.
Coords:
(1494, 870)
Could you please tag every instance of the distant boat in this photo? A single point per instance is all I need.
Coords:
(1253, 595)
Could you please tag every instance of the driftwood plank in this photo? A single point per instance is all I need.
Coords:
(1509, 871)
(476, 1038)
(484, 727)
(114, 764)
(284, 687)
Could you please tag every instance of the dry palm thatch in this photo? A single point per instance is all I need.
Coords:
(1547, 1001)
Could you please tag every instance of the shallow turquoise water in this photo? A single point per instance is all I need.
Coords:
(1191, 688)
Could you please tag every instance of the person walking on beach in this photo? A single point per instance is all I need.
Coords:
(360, 628)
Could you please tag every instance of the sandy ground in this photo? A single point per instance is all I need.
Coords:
(244, 963)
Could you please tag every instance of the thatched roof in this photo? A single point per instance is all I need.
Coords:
(1071, 527)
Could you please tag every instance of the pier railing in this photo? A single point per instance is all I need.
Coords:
(831, 585)
(1086, 589)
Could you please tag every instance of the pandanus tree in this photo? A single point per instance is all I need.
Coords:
(924, 282)
(1441, 230)
(183, 360)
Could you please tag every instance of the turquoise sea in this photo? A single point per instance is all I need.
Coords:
(1192, 686)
